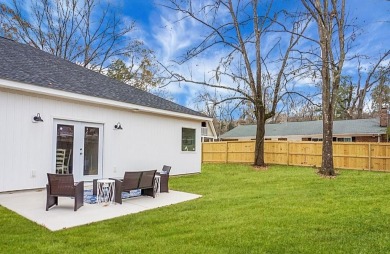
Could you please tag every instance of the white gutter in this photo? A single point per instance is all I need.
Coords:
(30, 88)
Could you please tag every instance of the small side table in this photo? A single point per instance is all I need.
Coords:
(105, 191)
(164, 182)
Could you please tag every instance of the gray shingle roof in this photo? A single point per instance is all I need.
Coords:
(359, 126)
(23, 63)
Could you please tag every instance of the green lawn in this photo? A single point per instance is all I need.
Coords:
(279, 210)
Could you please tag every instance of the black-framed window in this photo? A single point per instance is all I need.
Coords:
(188, 139)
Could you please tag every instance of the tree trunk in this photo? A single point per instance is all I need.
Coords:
(327, 122)
(327, 144)
(328, 102)
(360, 106)
(260, 131)
(360, 110)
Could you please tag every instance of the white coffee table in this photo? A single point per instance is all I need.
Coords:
(105, 191)
(157, 184)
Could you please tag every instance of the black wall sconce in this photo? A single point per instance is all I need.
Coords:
(118, 126)
(37, 118)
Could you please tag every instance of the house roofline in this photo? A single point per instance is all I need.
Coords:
(31, 88)
(306, 136)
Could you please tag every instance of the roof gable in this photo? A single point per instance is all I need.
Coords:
(25, 64)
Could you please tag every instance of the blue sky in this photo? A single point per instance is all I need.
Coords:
(154, 26)
(157, 27)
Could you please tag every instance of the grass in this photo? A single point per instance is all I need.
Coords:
(279, 210)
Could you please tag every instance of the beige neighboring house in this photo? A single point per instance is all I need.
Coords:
(360, 130)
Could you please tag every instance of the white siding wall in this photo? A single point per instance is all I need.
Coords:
(146, 142)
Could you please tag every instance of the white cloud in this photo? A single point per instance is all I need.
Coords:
(173, 35)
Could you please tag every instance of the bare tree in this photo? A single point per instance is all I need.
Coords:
(240, 30)
(82, 31)
(353, 93)
(375, 74)
(381, 94)
(300, 109)
(142, 73)
(223, 113)
(330, 20)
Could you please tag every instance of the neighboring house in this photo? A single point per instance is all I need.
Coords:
(208, 132)
(361, 130)
(92, 127)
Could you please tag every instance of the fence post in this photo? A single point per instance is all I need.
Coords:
(369, 156)
(288, 153)
(227, 152)
(201, 157)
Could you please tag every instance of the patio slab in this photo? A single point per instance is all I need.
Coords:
(31, 204)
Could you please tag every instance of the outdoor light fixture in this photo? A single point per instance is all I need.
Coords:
(118, 126)
(37, 118)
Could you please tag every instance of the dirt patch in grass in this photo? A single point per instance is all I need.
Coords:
(318, 172)
(259, 168)
(326, 176)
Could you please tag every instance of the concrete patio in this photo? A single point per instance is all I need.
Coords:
(31, 204)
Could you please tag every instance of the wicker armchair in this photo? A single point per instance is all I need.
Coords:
(60, 185)
(164, 178)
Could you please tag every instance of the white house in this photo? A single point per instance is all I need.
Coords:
(103, 126)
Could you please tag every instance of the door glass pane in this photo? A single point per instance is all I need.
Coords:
(91, 150)
(64, 158)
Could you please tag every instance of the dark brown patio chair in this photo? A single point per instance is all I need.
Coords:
(164, 178)
(60, 185)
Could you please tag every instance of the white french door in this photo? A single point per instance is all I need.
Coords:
(82, 144)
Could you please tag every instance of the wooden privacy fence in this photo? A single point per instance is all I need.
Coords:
(364, 156)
